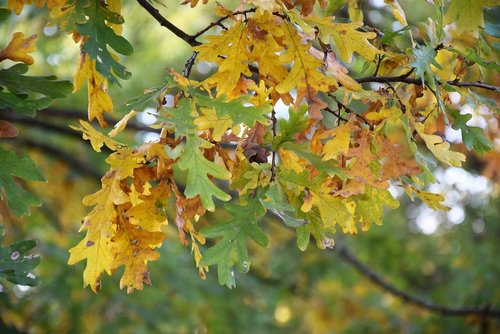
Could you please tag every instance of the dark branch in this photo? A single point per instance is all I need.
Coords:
(220, 20)
(414, 81)
(191, 40)
(366, 271)
(7, 114)
(78, 165)
(273, 161)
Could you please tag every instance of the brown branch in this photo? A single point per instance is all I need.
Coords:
(404, 78)
(220, 20)
(349, 110)
(191, 40)
(80, 166)
(378, 280)
(273, 161)
(7, 114)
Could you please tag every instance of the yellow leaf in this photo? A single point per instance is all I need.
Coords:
(17, 5)
(467, 14)
(397, 11)
(266, 5)
(115, 6)
(133, 247)
(354, 10)
(230, 52)
(339, 144)
(304, 75)
(291, 160)
(97, 139)
(146, 214)
(432, 200)
(99, 222)
(122, 124)
(18, 48)
(124, 162)
(210, 120)
(99, 101)
(99, 259)
(440, 148)
(346, 37)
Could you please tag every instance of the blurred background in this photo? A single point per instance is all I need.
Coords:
(444, 258)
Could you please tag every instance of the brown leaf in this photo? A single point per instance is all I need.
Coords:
(7, 130)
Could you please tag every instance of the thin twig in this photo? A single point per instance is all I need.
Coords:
(366, 271)
(349, 110)
(401, 104)
(336, 114)
(189, 64)
(415, 81)
(191, 40)
(273, 161)
(220, 20)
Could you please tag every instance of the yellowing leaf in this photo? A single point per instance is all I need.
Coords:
(99, 101)
(291, 160)
(97, 139)
(339, 144)
(99, 222)
(304, 74)
(124, 162)
(18, 48)
(354, 10)
(122, 124)
(397, 11)
(467, 14)
(133, 247)
(17, 5)
(346, 38)
(432, 200)
(146, 214)
(440, 148)
(230, 52)
(210, 120)
(99, 259)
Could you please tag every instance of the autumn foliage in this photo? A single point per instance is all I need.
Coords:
(324, 168)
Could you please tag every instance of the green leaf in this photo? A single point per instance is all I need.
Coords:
(492, 21)
(181, 118)
(297, 122)
(15, 264)
(328, 167)
(237, 109)
(198, 168)
(472, 56)
(4, 14)
(232, 248)
(472, 136)
(19, 200)
(27, 94)
(424, 57)
(276, 201)
(141, 102)
(100, 36)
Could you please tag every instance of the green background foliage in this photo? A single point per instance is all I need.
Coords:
(444, 259)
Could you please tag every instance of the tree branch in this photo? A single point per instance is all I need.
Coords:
(191, 40)
(79, 166)
(414, 81)
(366, 271)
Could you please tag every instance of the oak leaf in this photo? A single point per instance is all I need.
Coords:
(18, 48)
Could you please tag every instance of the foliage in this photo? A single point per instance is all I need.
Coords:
(15, 264)
(324, 164)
